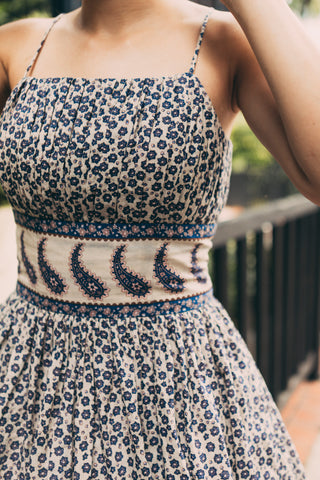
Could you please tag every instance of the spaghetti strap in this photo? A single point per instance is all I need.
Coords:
(36, 55)
(196, 53)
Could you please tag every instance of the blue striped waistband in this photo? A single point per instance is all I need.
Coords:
(115, 231)
(95, 310)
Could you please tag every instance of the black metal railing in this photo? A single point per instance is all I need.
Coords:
(265, 266)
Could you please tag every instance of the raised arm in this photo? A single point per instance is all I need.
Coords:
(4, 80)
(282, 105)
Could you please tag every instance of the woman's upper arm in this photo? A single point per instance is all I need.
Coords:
(4, 87)
(4, 58)
(253, 96)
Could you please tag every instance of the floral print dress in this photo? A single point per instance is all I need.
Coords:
(116, 360)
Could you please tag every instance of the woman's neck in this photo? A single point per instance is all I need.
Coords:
(118, 15)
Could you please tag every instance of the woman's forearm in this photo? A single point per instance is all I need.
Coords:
(291, 64)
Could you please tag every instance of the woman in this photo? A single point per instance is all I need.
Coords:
(116, 360)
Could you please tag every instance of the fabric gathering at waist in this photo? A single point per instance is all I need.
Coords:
(90, 268)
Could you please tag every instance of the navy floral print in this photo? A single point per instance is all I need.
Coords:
(116, 360)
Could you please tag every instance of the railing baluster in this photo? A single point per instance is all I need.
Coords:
(297, 311)
(242, 296)
(278, 357)
(262, 308)
(316, 304)
(220, 278)
(289, 298)
(304, 246)
(304, 287)
(310, 287)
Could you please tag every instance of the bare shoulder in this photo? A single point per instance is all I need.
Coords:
(222, 31)
(18, 43)
(14, 34)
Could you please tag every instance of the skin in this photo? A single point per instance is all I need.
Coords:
(257, 59)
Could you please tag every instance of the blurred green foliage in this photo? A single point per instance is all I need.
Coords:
(3, 199)
(306, 7)
(248, 152)
(14, 9)
(261, 177)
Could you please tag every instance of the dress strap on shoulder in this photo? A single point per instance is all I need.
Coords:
(197, 50)
(36, 55)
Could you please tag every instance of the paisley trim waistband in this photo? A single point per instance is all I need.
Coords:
(115, 231)
(139, 309)
(111, 271)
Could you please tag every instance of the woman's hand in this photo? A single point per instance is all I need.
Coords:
(282, 105)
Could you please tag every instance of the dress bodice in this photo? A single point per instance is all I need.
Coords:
(114, 151)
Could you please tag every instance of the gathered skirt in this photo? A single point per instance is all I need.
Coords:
(172, 396)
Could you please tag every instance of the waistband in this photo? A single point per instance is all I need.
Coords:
(101, 268)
